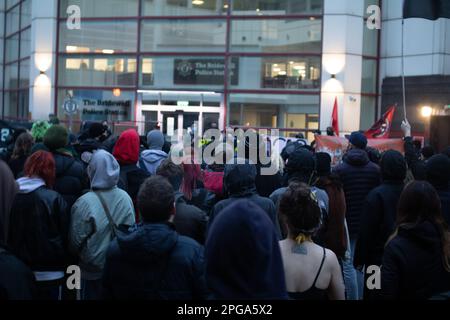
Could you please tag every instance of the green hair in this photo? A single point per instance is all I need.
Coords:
(39, 130)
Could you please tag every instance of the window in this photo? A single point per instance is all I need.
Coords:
(277, 7)
(369, 76)
(268, 36)
(102, 8)
(184, 7)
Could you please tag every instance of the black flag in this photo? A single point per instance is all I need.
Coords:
(426, 9)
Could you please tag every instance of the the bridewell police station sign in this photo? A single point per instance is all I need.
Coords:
(205, 71)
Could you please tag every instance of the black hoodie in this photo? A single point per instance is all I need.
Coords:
(413, 266)
(438, 174)
(154, 263)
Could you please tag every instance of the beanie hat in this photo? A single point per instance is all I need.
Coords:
(301, 165)
(359, 140)
(155, 140)
(393, 166)
(56, 137)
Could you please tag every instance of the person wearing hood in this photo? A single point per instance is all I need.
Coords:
(22, 150)
(438, 174)
(154, 262)
(301, 166)
(239, 183)
(126, 152)
(91, 140)
(39, 224)
(70, 176)
(17, 282)
(379, 214)
(312, 272)
(359, 176)
(91, 231)
(416, 260)
(152, 158)
(189, 221)
(243, 258)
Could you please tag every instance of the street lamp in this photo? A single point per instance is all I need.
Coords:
(427, 111)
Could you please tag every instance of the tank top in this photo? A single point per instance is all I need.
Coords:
(313, 293)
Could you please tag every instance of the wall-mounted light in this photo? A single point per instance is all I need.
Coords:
(43, 61)
(117, 92)
(334, 63)
(426, 111)
(42, 80)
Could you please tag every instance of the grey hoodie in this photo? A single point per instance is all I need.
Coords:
(90, 232)
(151, 160)
(103, 171)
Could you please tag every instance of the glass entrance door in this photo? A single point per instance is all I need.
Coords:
(179, 120)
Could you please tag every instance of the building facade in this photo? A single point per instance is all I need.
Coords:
(201, 63)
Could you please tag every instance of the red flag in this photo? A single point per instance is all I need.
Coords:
(335, 121)
(382, 128)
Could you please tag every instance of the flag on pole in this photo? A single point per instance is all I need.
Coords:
(426, 9)
(382, 128)
(335, 119)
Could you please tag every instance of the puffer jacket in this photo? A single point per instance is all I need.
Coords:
(154, 263)
(39, 224)
(90, 231)
(359, 176)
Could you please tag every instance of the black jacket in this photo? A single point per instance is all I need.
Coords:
(17, 166)
(359, 176)
(154, 262)
(39, 227)
(267, 184)
(438, 174)
(189, 220)
(413, 264)
(70, 178)
(377, 223)
(131, 179)
(16, 279)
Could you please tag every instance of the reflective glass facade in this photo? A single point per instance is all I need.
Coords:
(256, 62)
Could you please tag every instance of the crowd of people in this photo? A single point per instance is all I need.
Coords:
(140, 226)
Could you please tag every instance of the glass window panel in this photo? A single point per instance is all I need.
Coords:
(102, 8)
(184, 35)
(99, 37)
(274, 111)
(97, 71)
(24, 74)
(11, 105)
(198, 73)
(98, 105)
(184, 7)
(368, 105)
(268, 36)
(369, 76)
(368, 3)
(10, 3)
(24, 102)
(295, 73)
(277, 7)
(12, 20)
(25, 43)
(26, 14)
(11, 75)
(12, 48)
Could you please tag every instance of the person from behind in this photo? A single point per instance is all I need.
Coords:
(95, 218)
(243, 259)
(152, 158)
(379, 215)
(70, 177)
(39, 225)
(336, 235)
(312, 272)
(189, 221)
(239, 181)
(359, 176)
(22, 150)
(416, 260)
(126, 151)
(438, 174)
(154, 262)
